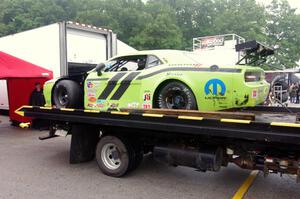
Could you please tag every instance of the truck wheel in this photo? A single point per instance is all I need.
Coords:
(67, 94)
(115, 156)
(176, 95)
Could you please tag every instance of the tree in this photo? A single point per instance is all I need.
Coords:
(127, 18)
(159, 33)
(283, 27)
(242, 17)
(20, 15)
(161, 30)
(155, 24)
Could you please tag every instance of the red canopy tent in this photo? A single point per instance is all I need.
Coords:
(21, 77)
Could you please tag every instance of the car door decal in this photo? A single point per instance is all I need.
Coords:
(111, 84)
(125, 83)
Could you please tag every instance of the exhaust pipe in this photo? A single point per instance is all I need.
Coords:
(207, 158)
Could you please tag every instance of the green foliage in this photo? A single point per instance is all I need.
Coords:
(155, 24)
(160, 29)
(283, 27)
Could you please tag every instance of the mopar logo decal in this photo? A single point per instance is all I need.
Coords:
(215, 87)
(90, 85)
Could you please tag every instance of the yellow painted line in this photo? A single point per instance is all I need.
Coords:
(152, 115)
(67, 109)
(245, 186)
(46, 107)
(285, 124)
(92, 111)
(189, 117)
(119, 113)
(236, 121)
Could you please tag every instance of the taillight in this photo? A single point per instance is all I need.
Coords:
(253, 76)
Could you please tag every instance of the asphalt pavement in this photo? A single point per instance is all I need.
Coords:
(30, 168)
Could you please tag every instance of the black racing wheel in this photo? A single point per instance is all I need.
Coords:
(176, 95)
(67, 94)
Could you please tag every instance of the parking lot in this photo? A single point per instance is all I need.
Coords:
(30, 168)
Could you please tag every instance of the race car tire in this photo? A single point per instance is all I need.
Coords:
(67, 94)
(176, 95)
(115, 156)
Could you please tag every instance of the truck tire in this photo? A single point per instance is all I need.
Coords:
(115, 156)
(67, 94)
(176, 95)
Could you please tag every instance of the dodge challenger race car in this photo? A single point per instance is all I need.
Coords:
(167, 79)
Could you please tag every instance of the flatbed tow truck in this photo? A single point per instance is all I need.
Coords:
(257, 138)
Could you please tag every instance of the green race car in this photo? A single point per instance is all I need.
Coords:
(166, 79)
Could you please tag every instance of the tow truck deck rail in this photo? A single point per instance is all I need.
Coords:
(170, 121)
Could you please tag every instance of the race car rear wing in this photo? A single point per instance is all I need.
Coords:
(255, 53)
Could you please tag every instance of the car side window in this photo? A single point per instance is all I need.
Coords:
(128, 63)
(128, 66)
(153, 61)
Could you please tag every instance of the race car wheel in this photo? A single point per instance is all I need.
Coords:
(176, 95)
(67, 94)
(115, 156)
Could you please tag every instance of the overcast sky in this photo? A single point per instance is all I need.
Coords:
(293, 3)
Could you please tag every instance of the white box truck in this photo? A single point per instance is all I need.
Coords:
(63, 47)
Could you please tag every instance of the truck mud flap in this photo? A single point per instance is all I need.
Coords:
(83, 143)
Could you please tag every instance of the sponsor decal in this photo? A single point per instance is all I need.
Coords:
(215, 87)
(147, 106)
(133, 105)
(100, 105)
(90, 85)
(254, 94)
(211, 42)
(100, 101)
(91, 94)
(92, 99)
(114, 105)
(173, 74)
(147, 97)
(105, 104)
(91, 105)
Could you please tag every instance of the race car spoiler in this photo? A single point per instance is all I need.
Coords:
(254, 52)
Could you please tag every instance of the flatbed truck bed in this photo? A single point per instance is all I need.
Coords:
(267, 139)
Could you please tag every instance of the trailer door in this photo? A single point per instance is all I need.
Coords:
(84, 50)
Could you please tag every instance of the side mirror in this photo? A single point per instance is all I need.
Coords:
(99, 68)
